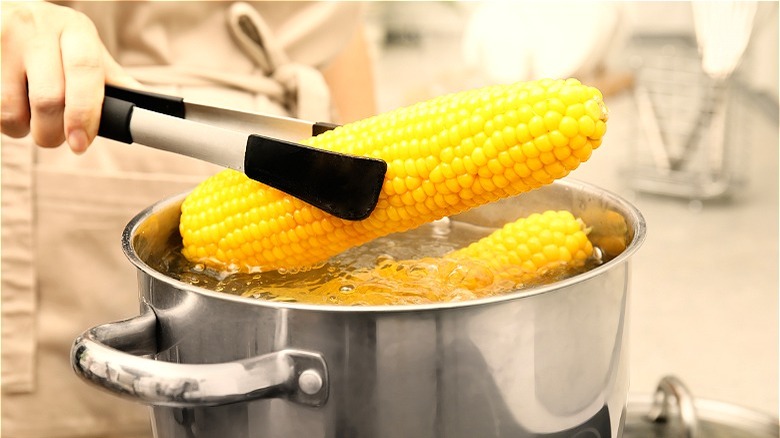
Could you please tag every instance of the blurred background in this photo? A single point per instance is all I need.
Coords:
(692, 141)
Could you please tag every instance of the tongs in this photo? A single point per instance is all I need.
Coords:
(264, 147)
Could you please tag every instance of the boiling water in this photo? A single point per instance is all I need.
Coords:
(404, 268)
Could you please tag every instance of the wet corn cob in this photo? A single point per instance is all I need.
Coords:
(522, 253)
(444, 156)
(539, 242)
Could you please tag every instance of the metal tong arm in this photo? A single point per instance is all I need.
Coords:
(346, 186)
(285, 128)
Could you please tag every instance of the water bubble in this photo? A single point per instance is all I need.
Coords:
(384, 258)
(441, 227)
(347, 289)
(598, 254)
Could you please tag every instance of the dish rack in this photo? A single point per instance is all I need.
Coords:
(691, 135)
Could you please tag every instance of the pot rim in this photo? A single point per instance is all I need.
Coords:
(639, 230)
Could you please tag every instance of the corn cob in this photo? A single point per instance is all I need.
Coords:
(536, 243)
(521, 253)
(444, 156)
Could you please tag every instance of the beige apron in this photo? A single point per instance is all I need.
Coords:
(63, 270)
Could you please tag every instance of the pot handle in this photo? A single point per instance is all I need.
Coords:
(672, 387)
(109, 356)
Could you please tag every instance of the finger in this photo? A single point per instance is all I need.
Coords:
(46, 89)
(82, 63)
(116, 75)
(14, 106)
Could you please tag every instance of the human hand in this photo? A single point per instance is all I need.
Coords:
(53, 74)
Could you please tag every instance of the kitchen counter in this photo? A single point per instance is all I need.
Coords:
(704, 300)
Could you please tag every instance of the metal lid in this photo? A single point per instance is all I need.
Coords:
(673, 413)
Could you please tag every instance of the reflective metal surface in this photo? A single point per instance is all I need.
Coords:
(675, 413)
(537, 363)
(296, 375)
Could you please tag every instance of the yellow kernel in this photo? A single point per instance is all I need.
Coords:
(512, 118)
(446, 170)
(551, 253)
(522, 133)
(593, 109)
(469, 166)
(412, 183)
(489, 149)
(452, 199)
(583, 153)
(399, 185)
(543, 143)
(495, 166)
(410, 168)
(407, 198)
(571, 162)
(547, 157)
(452, 185)
(534, 164)
(466, 147)
(561, 152)
(601, 129)
(536, 126)
(497, 140)
(530, 150)
(568, 94)
(569, 126)
(500, 181)
(525, 113)
(516, 153)
(446, 155)
(557, 139)
(522, 170)
(541, 176)
(508, 137)
(505, 158)
(476, 123)
(478, 157)
(552, 119)
(436, 175)
(428, 187)
(421, 168)
(556, 170)
(586, 126)
(556, 105)
(465, 181)
(487, 184)
(577, 142)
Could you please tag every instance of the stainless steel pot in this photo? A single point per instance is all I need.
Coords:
(549, 361)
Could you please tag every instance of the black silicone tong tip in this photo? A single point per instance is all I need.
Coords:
(345, 186)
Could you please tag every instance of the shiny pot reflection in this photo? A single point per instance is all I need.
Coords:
(548, 361)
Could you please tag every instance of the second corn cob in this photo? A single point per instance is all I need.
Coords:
(444, 156)
(520, 254)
